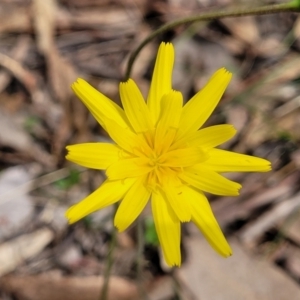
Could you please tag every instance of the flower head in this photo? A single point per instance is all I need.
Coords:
(159, 154)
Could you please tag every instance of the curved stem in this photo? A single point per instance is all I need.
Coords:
(268, 9)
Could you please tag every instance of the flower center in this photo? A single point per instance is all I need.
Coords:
(160, 172)
(155, 160)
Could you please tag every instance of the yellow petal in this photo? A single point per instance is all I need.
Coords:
(199, 108)
(108, 193)
(135, 107)
(209, 181)
(204, 219)
(211, 136)
(99, 105)
(177, 200)
(227, 161)
(132, 205)
(168, 229)
(93, 155)
(171, 108)
(183, 157)
(124, 137)
(131, 167)
(162, 79)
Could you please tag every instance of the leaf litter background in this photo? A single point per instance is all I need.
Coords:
(44, 47)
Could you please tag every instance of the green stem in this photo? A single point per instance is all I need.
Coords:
(109, 263)
(268, 9)
(140, 250)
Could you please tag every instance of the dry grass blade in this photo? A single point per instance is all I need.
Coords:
(281, 211)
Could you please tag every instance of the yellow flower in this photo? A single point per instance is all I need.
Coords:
(159, 153)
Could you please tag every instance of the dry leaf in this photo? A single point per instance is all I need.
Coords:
(14, 252)
(241, 276)
(254, 230)
(14, 212)
(45, 287)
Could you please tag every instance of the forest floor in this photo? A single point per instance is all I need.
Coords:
(47, 45)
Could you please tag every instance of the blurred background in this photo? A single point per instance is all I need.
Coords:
(44, 46)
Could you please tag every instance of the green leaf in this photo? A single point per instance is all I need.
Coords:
(295, 3)
(150, 232)
(31, 122)
(66, 183)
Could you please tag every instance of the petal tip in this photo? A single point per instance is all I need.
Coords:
(73, 85)
(173, 263)
(69, 217)
(117, 226)
(77, 84)
(268, 166)
(123, 83)
(68, 152)
(166, 44)
(167, 48)
(186, 220)
(225, 71)
(232, 127)
(78, 81)
(225, 251)
(228, 253)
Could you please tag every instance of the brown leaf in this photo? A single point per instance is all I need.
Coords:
(244, 29)
(241, 276)
(254, 230)
(45, 287)
(14, 252)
